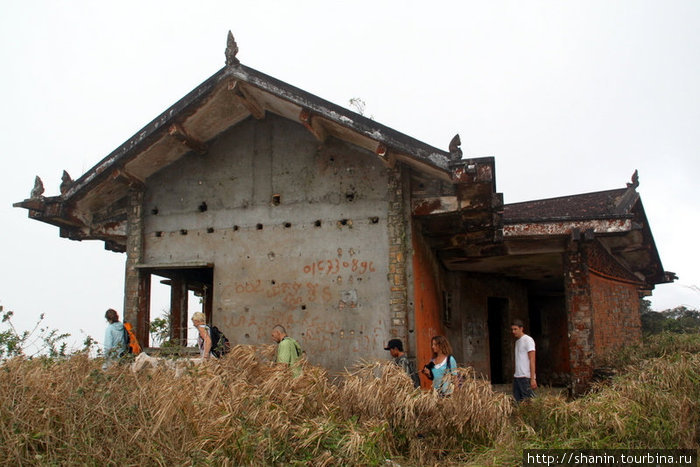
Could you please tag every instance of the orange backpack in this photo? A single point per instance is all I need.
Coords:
(130, 341)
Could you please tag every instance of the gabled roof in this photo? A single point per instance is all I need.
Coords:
(615, 217)
(231, 95)
(264, 94)
(599, 205)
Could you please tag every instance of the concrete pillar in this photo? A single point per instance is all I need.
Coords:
(579, 312)
(178, 310)
(143, 319)
(398, 231)
(134, 285)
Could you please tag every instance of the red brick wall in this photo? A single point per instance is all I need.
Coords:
(602, 304)
(615, 301)
(616, 318)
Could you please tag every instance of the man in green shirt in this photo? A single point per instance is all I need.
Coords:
(288, 350)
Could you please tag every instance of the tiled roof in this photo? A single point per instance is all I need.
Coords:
(599, 205)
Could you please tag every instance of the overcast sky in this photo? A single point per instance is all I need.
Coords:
(570, 97)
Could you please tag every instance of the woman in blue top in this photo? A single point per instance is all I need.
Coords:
(442, 365)
(114, 339)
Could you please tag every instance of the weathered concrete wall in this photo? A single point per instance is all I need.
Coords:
(314, 259)
(468, 332)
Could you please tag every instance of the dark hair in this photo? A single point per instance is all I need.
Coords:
(443, 344)
(111, 316)
(517, 322)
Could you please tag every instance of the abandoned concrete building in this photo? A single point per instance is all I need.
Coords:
(276, 206)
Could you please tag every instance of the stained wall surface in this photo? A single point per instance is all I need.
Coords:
(296, 231)
(469, 328)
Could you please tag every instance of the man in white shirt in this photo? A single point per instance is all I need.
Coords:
(524, 381)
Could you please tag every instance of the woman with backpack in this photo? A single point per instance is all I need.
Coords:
(114, 339)
(199, 320)
(441, 365)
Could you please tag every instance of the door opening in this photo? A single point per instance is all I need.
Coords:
(497, 324)
(175, 298)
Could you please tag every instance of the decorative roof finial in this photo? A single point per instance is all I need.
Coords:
(455, 151)
(38, 189)
(231, 51)
(66, 182)
(635, 180)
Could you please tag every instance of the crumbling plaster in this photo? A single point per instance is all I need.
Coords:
(273, 262)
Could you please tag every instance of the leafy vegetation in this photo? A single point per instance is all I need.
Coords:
(40, 340)
(680, 319)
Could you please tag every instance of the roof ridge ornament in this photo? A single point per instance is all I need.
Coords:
(635, 180)
(231, 51)
(454, 147)
(66, 183)
(38, 189)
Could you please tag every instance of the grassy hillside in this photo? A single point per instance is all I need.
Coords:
(242, 410)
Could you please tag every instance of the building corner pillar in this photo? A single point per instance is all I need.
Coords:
(137, 283)
(579, 313)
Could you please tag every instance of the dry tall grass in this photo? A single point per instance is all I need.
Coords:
(243, 410)
(238, 410)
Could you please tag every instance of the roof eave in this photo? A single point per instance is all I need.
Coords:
(434, 160)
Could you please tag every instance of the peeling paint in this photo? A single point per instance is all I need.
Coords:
(566, 227)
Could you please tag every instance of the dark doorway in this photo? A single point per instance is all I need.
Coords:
(497, 323)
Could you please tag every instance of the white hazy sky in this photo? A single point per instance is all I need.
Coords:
(570, 97)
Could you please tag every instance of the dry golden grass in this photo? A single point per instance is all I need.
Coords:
(244, 410)
(655, 403)
(239, 410)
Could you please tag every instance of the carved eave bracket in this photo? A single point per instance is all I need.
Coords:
(246, 99)
(178, 132)
(131, 180)
(670, 277)
(313, 124)
(385, 155)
